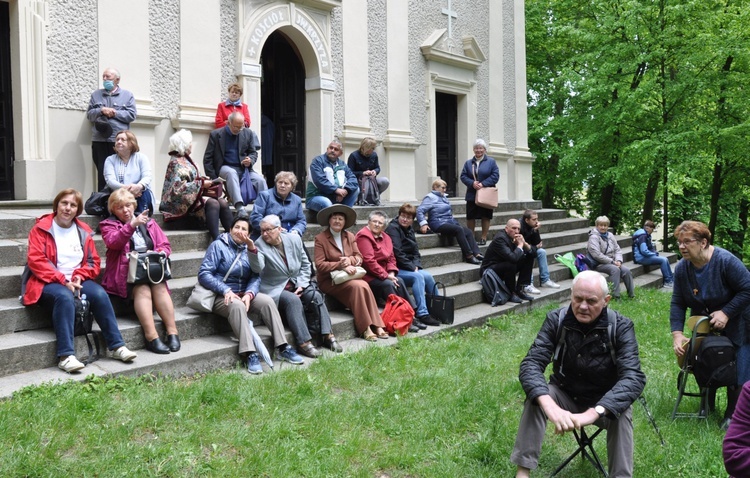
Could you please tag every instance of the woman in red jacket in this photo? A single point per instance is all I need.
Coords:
(123, 232)
(62, 261)
(232, 104)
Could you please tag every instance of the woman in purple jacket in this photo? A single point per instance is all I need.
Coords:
(123, 232)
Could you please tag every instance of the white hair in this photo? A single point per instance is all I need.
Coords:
(271, 219)
(588, 275)
(480, 142)
(181, 142)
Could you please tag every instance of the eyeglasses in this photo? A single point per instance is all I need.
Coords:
(267, 230)
(686, 242)
(406, 218)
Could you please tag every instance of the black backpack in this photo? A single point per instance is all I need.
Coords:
(314, 303)
(494, 289)
(369, 194)
(715, 363)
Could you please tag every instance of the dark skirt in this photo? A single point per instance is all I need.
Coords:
(477, 212)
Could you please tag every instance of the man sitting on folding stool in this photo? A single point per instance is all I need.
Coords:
(596, 377)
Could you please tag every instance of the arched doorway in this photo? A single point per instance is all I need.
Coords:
(283, 109)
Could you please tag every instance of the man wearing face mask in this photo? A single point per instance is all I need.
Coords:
(111, 110)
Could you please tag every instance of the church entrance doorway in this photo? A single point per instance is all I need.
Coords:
(283, 110)
(6, 107)
(446, 117)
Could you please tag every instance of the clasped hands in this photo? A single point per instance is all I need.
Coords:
(564, 420)
(345, 264)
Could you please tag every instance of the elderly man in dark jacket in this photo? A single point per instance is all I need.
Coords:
(595, 379)
(509, 254)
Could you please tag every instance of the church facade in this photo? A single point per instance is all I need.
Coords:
(425, 78)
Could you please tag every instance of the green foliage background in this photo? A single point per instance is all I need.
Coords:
(639, 109)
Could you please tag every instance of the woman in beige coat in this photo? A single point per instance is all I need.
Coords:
(336, 249)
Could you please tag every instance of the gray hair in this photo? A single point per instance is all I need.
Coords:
(480, 142)
(602, 220)
(113, 70)
(583, 275)
(181, 142)
(236, 114)
(380, 213)
(336, 141)
(271, 219)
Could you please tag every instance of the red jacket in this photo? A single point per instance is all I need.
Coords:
(377, 254)
(223, 111)
(42, 258)
(116, 237)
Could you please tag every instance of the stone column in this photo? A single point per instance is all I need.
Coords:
(398, 163)
(522, 156)
(356, 78)
(30, 113)
(496, 145)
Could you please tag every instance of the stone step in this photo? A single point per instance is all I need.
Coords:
(219, 351)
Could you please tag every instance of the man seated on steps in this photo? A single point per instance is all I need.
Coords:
(530, 230)
(586, 386)
(509, 254)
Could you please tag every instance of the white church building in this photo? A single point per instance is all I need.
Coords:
(425, 78)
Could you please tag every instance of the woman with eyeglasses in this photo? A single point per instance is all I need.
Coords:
(380, 262)
(409, 260)
(712, 282)
(435, 214)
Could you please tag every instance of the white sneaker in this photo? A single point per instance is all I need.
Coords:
(70, 364)
(124, 354)
(551, 284)
(530, 289)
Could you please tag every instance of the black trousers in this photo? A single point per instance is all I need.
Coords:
(507, 272)
(100, 150)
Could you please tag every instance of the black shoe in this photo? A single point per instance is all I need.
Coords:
(333, 345)
(472, 260)
(173, 342)
(428, 320)
(416, 322)
(515, 298)
(522, 295)
(157, 346)
(479, 257)
(413, 329)
(482, 242)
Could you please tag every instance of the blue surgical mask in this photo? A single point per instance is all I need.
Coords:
(109, 85)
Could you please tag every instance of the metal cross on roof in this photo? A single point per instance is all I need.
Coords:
(451, 14)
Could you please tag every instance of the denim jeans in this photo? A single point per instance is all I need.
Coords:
(317, 203)
(660, 261)
(541, 258)
(59, 299)
(420, 283)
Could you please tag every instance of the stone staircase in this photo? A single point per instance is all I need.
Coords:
(27, 341)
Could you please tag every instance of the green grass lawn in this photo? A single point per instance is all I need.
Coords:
(443, 407)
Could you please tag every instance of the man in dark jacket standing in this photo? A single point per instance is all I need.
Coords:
(587, 385)
(509, 254)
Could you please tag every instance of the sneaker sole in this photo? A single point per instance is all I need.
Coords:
(255, 372)
(71, 370)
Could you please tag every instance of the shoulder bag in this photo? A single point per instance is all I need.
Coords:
(485, 197)
(440, 306)
(150, 267)
(202, 299)
(339, 277)
(397, 315)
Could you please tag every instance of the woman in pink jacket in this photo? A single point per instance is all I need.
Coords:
(123, 232)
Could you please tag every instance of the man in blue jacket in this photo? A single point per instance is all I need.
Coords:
(644, 252)
(330, 181)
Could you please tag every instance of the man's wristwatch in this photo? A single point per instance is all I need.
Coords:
(600, 410)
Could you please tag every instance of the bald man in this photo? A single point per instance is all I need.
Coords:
(596, 377)
(509, 254)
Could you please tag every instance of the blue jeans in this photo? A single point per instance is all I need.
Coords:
(420, 282)
(60, 299)
(660, 261)
(316, 203)
(146, 201)
(541, 259)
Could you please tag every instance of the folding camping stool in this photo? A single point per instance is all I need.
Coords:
(700, 327)
(586, 449)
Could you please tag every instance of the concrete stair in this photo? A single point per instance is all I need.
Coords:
(27, 341)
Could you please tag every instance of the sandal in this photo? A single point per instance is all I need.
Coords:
(382, 334)
(369, 336)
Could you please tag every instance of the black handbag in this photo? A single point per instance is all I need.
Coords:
(440, 306)
(148, 267)
(83, 324)
(96, 204)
